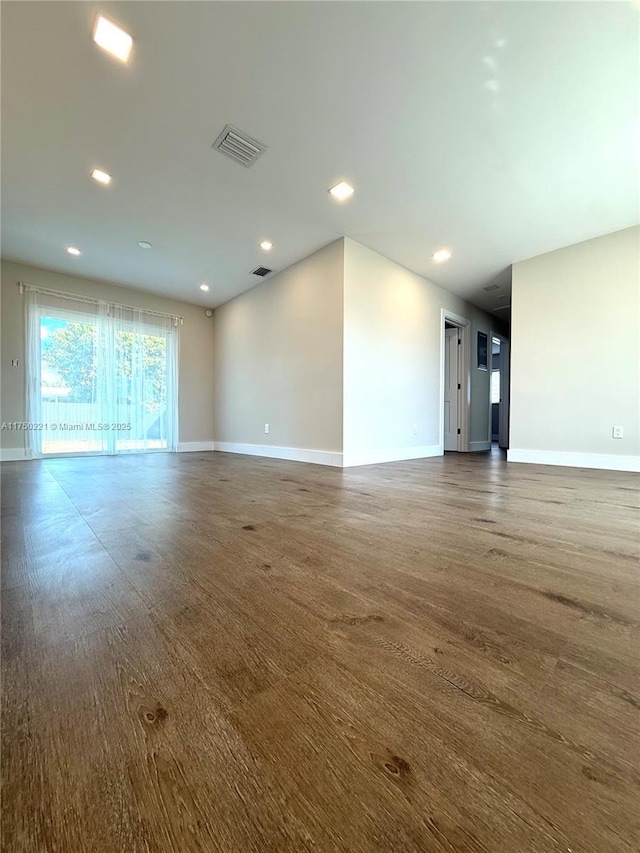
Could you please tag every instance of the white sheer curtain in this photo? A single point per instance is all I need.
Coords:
(33, 372)
(141, 388)
(101, 377)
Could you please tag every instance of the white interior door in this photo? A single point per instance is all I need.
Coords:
(451, 389)
(503, 422)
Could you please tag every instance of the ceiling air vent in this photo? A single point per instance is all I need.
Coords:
(492, 287)
(239, 146)
(261, 271)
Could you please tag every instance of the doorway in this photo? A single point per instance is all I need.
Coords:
(455, 384)
(499, 390)
(451, 385)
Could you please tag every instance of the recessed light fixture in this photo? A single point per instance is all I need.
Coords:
(342, 191)
(204, 287)
(112, 38)
(73, 251)
(101, 177)
(441, 255)
(267, 245)
(144, 244)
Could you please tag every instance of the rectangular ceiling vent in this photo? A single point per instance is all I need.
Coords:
(261, 271)
(492, 287)
(239, 146)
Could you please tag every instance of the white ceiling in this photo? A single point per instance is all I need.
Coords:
(502, 130)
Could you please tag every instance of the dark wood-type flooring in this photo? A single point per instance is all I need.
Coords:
(207, 652)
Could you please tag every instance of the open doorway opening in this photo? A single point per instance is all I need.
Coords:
(452, 341)
(499, 390)
(454, 420)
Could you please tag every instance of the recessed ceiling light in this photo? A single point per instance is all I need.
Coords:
(342, 191)
(204, 287)
(144, 244)
(100, 176)
(73, 251)
(441, 255)
(112, 38)
(267, 245)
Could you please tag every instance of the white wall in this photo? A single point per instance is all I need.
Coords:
(340, 355)
(575, 354)
(392, 355)
(278, 360)
(196, 351)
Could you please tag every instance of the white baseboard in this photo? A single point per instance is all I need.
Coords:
(194, 446)
(13, 454)
(293, 454)
(474, 446)
(398, 454)
(602, 461)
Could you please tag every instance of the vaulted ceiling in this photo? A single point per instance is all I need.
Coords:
(500, 130)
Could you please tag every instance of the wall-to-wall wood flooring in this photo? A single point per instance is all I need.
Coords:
(206, 652)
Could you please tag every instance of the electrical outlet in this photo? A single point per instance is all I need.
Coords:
(15, 362)
(266, 429)
(618, 432)
(415, 429)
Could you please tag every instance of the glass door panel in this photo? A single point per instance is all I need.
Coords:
(68, 387)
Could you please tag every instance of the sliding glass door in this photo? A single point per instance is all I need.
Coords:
(103, 378)
(68, 383)
(141, 378)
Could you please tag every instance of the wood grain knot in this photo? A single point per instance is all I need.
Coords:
(248, 527)
(154, 716)
(392, 765)
(497, 552)
(597, 774)
(358, 620)
(143, 556)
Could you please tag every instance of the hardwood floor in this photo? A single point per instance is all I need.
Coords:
(206, 652)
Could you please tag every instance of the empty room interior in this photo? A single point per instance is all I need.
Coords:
(320, 391)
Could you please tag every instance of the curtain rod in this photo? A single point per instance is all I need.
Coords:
(62, 294)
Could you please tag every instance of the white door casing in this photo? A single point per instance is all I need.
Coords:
(503, 423)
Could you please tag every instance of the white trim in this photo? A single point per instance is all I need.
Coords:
(293, 454)
(13, 454)
(195, 446)
(575, 460)
(479, 445)
(505, 390)
(397, 454)
(464, 367)
(492, 335)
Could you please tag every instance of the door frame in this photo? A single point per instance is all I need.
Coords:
(504, 343)
(464, 378)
